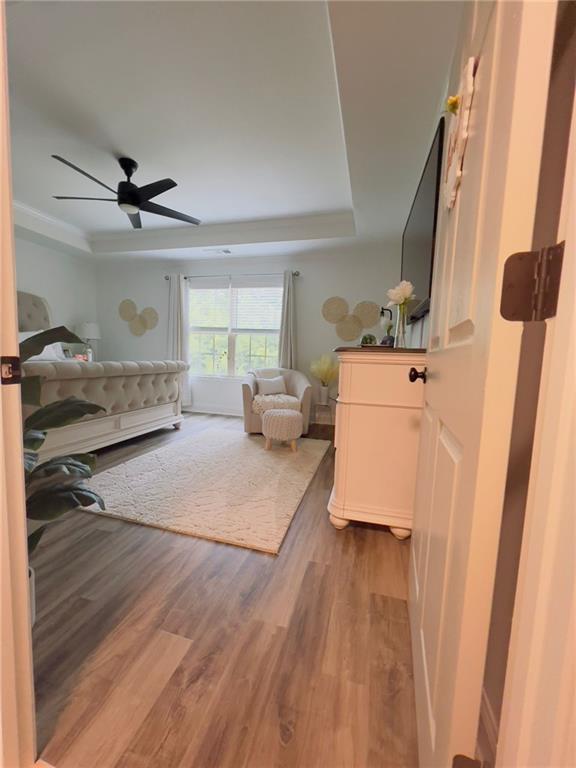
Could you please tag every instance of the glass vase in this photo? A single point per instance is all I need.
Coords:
(400, 339)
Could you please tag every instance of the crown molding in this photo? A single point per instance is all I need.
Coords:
(41, 228)
(46, 230)
(312, 227)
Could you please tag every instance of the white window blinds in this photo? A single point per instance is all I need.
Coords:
(209, 302)
(234, 323)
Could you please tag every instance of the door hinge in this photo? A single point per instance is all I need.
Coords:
(11, 370)
(531, 284)
(461, 761)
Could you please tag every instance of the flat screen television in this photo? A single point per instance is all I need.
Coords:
(419, 237)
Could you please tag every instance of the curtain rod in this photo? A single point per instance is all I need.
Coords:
(252, 274)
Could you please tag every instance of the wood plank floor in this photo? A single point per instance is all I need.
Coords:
(157, 649)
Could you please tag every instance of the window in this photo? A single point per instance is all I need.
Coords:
(234, 324)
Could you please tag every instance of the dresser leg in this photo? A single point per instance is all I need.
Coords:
(400, 533)
(338, 522)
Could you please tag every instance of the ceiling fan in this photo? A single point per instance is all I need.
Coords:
(130, 198)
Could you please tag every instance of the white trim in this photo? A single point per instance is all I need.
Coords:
(322, 226)
(215, 410)
(39, 226)
(537, 722)
(17, 717)
(489, 723)
(215, 377)
(218, 411)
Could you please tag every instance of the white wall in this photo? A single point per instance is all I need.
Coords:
(65, 280)
(82, 288)
(419, 333)
(141, 280)
(355, 274)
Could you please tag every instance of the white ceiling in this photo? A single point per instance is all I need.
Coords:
(392, 62)
(239, 103)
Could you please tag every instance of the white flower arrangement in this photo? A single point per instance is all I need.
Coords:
(400, 297)
(401, 294)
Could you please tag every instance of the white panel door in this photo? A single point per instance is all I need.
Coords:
(472, 368)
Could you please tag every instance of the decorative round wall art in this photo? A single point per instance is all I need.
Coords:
(149, 317)
(138, 323)
(368, 312)
(335, 309)
(137, 326)
(127, 310)
(349, 326)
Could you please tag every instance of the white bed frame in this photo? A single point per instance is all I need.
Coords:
(98, 433)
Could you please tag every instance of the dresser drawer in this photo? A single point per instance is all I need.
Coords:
(378, 383)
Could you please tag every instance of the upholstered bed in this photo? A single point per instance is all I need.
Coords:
(138, 396)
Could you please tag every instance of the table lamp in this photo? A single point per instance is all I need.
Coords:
(89, 331)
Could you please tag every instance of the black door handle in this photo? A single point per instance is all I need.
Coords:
(414, 375)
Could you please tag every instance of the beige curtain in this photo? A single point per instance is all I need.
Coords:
(178, 327)
(287, 346)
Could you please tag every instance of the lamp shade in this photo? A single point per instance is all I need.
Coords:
(89, 330)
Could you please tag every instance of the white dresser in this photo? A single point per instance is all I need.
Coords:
(377, 435)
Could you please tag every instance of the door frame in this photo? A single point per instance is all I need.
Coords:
(551, 226)
(17, 716)
(542, 657)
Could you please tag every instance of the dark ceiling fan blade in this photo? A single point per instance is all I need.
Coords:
(162, 211)
(135, 220)
(106, 199)
(148, 191)
(75, 167)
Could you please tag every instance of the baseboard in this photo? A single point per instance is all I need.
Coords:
(219, 411)
(487, 731)
(322, 418)
(215, 410)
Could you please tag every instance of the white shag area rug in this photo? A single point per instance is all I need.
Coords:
(219, 484)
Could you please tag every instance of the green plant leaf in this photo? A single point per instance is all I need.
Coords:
(35, 344)
(64, 466)
(30, 461)
(84, 458)
(51, 503)
(61, 413)
(34, 439)
(34, 538)
(30, 389)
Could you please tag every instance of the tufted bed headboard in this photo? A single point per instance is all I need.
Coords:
(33, 312)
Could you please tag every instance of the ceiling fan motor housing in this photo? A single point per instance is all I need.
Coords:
(128, 165)
(128, 193)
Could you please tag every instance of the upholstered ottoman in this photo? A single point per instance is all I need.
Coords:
(282, 424)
